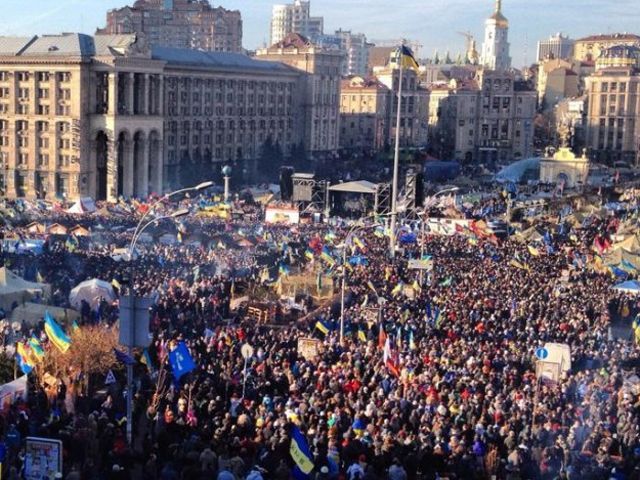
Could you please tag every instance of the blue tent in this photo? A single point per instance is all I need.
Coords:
(630, 286)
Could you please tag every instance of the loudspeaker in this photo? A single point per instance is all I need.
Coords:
(286, 183)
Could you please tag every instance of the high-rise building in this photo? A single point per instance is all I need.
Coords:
(495, 49)
(106, 116)
(180, 24)
(294, 18)
(321, 69)
(589, 48)
(357, 52)
(613, 115)
(556, 46)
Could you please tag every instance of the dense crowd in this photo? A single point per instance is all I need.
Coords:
(441, 383)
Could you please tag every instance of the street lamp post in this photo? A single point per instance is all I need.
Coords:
(347, 238)
(136, 235)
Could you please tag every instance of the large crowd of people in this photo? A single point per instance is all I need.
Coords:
(424, 375)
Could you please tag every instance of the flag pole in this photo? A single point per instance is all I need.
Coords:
(396, 162)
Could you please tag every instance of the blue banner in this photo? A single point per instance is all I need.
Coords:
(181, 361)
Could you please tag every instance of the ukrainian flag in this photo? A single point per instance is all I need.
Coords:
(299, 451)
(25, 354)
(36, 348)
(322, 327)
(56, 334)
(25, 367)
(397, 289)
(358, 243)
(407, 60)
(309, 254)
(533, 251)
(327, 258)
(362, 336)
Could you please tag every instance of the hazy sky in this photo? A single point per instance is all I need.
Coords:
(432, 22)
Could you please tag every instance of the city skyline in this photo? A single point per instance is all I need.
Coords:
(375, 18)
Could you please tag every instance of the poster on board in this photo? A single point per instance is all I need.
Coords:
(43, 458)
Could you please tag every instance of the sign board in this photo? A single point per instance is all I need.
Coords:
(547, 372)
(43, 458)
(134, 321)
(559, 353)
(308, 348)
(421, 265)
(247, 351)
(10, 392)
(446, 226)
(281, 215)
(371, 315)
(542, 353)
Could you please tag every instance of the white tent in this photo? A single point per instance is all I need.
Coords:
(92, 291)
(16, 289)
(83, 205)
(360, 186)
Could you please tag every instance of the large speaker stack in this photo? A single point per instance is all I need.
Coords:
(286, 183)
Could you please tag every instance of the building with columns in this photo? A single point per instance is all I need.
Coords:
(495, 49)
(179, 24)
(613, 114)
(108, 116)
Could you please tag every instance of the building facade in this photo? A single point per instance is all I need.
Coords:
(486, 120)
(294, 18)
(320, 69)
(415, 105)
(556, 81)
(556, 46)
(108, 116)
(589, 48)
(363, 114)
(179, 24)
(495, 49)
(356, 49)
(613, 115)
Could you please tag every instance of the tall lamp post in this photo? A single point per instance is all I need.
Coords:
(347, 239)
(226, 173)
(136, 236)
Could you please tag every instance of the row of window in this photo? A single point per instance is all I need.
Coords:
(62, 77)
(42, 159)
(41, 126)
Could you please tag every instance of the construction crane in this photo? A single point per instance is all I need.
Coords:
(472, 54)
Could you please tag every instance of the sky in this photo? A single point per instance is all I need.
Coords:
(433, 23)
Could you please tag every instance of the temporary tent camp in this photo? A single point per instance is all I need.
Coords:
(32, 313)
(16, 289)
(83, 205)
(92, 291)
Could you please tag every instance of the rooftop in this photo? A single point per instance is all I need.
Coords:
(66, 45)
(180, 56)
(611, 36)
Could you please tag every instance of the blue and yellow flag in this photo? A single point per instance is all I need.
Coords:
(407, 60)
(24, 366)
(322, 327)
(326, 256)
(36, 348)
(309, 254)
(533, 251)
(56, 334)
(358, 243)
(24, 352)
(412, 341)
(300, 453)
(362, 336)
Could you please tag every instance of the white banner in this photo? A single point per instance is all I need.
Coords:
(10, 392)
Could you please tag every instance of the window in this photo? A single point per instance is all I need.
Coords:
(23, 158)
(604, 87)
(23, 93)
(42, 126)
(64, 143)
(64, 94)
(43, 109)
(43, 159)
(43, 93)
(4, 76)
(43, 76)
(64, 160)
(4, 92)
(22, 76)
(23, 141)
(43, 142)
(63, 77)
(64, 127)
(23, 109)
(4, 141)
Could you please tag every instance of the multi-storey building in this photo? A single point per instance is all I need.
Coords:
(294, 18)
(415, 103)
(488, 119)
(613, 116)
(321, 90)
(363, 114)
(556, 81)
(495, 49)
(589, 48)
(556, 46)
(357, 53)
(107, 116)
(179, 24)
